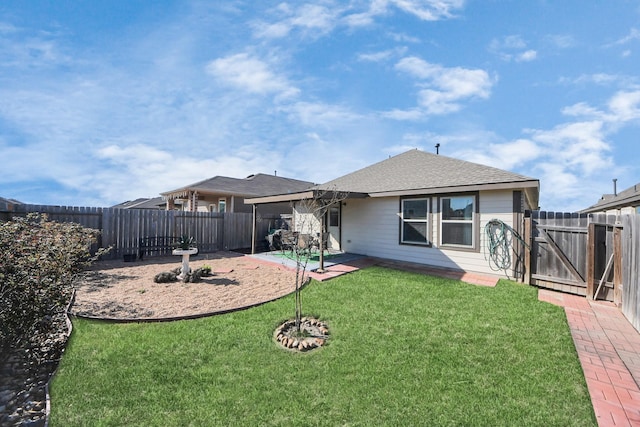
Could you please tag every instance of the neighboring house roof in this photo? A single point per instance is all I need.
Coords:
(628, 197)
(251, 186)
(142, 203)
(7, 204)
(417, 172)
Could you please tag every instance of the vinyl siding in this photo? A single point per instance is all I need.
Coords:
(372, 226)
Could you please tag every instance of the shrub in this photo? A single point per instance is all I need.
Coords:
(193, 276)
(39, 260)
(165, 277)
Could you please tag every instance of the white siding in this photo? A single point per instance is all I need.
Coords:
(627, 210)
(305, 220)
(372, 226)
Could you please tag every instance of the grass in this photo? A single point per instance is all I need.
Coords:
(405, 349)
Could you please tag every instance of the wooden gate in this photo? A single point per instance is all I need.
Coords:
(574, 253)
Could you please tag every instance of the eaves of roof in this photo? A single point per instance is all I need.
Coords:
(303, 195)
(534, 183)
(614, 203)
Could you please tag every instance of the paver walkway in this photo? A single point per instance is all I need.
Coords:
(609, 350)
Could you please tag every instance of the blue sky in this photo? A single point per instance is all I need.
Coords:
(107, 101)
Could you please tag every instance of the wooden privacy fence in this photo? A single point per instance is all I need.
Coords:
(122, 229)
(630, 268)
(594, 255)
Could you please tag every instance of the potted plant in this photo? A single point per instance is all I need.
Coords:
(185, 247)
(186, 242)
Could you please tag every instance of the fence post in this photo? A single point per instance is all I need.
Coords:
(617, 266)
(527, 252)
(591, 259)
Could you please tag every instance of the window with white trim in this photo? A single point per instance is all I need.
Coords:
(457, 221)
(415, 221)
(222, 205)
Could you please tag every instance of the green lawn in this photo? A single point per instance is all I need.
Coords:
(405, 349)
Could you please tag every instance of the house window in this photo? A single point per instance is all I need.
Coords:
(415, 221)
(456, 223)
(334, 216)
(222, 205)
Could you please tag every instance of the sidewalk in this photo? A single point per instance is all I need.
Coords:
(338, 264)
(609, 350)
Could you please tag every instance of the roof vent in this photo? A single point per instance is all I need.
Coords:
(615, 189)
(438, 148)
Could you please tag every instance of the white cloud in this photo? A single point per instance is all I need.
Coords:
(403, 38)
(250, 74)
(583, 109)
(397, 114)
(597, 78)
(445, 88)
(508, 155)
(572, 159)
(313, 20)
(310, 19)
(561, 41)
(320, 114)
(26, 50)
(634, 34)
(622, 107)
(527, 56)
(625, 106)
(428, 10)
(381, 55)
(155, 170)
(581, 145)
(512, 47)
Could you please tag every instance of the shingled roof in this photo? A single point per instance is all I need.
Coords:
(416, 171)
(628, 197)
(252, 186)
(142, 203)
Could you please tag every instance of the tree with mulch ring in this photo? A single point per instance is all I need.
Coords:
(308, 333)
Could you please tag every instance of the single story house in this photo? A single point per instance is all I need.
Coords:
(416, 207)
(622, 203)
(224, 194)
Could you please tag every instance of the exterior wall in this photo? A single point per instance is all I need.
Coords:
(305, 221)
(372, 227)
(627, 210)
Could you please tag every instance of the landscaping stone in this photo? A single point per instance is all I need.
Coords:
(25, 372)
(315, 334)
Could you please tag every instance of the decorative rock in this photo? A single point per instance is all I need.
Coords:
(314, 334)
(26, 371)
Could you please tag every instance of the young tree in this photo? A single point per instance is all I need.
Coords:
(309, 230)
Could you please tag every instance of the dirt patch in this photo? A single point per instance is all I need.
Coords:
(126, 290)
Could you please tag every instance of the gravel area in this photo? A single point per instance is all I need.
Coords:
(126, 291)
